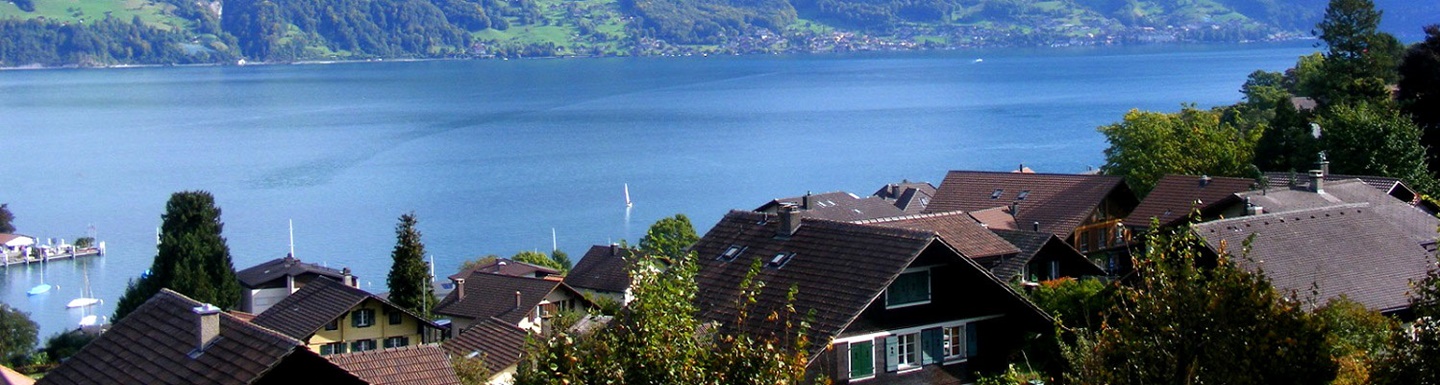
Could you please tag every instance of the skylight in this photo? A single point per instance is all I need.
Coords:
(779, 259)
(996, 194)
(1023, 194)
(731, 253)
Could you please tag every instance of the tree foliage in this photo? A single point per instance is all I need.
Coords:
(191, 259)
(1360, 60)
(292, 30)
(1357, 335)
(1416, 350)
(65, 344)
(669, 236)
(409, 280)
(1369, 139)
(1194, 318)
(17, 333)
(7, 219)
(538, 259)
(660, 340)
(471, 371)
(1147, 145)
(1420, 89)
(473, 263)
(561, 259)
(106, 41)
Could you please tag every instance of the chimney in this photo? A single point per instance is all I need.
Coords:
(1204, 180)
(348, 279)
(614, 250)
(517, 299)
(1036, 226)
(208, 325)
(1252, 209)
(805, 201)
(1014, 209)
(459, 288)
(789, 221)
(1323, 164)
(1317, 181)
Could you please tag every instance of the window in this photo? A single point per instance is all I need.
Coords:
(1055, 269)
(363, 318)
(910, 288)
(332, 348)
(362, 345)
(1023, 194)
(954, 345)
(731, 253)
(996, 194)
(395, 342)
(862, 360)
(397, 317)
(902, 352)
(333, 325)
(779, 260)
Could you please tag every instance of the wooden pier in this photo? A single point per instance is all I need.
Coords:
(71, 253)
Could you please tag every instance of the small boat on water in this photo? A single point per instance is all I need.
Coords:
(39, 289)
(89, 320)
(85, 299)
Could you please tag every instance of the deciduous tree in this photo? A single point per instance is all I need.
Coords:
(1369, 139)
(409, 280)
(669, 236)
(538, 259)
(1420, 89)
(1147, 145)
(17, 333)
(1416, 350)
(191, 259)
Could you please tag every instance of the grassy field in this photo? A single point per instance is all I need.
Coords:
(563, 28)
(153, 13)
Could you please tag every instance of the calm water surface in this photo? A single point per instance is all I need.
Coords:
(493, 155)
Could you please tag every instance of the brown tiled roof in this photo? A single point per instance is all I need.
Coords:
(910, 197)
(603, 268)
(1176, 196)
(155, 343)
(303, 313)
(510, 267)
(837, 206)
(1345, 249)
(415, 364)
(493, 295)
(267, 271)
(839, 269)
(499, 342)
(995, 218)
(958, 229)
(1060, 202)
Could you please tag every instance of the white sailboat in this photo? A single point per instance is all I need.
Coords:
(628, 203)
(85, 299)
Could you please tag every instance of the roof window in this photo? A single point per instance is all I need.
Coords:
(779, 260)
(1023, 194)
(996, 194)
(731, 253)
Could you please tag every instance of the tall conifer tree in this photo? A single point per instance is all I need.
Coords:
(192, 257)
(409, 279)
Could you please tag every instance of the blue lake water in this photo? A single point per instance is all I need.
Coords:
(493, 155)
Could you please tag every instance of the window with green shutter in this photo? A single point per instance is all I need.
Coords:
(862, 359)
(912, 288)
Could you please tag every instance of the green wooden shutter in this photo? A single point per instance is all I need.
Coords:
(892, 354)
(932, 346)
(862, 359)
(972, 346)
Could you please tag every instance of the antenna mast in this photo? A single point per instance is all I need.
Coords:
(292, 238)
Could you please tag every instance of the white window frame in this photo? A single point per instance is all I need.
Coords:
(363, 322)
(947, 360)
(929, 288)
(949, 332)
(851, 362)
(907, 351)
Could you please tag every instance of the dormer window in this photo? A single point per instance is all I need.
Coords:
(997, 193)
(731, 253)
(909, 289)
(779, 260)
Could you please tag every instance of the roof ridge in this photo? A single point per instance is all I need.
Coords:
(1030, 174)
(1282, 214)
(907, 217)
(867, 228)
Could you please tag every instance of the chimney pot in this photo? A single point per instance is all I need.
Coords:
(805, 201)
(459, 288)
(1204, 180)
(207, 325)
(1317, 181)
(517, 299)
(349, 279)
(1036, 226)
(614, 250)
(789, 221)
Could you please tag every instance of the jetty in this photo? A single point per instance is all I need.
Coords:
(50, 254)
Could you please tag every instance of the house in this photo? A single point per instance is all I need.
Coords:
(1084, 210)
(172, 339)
(890, 305)
(910, 197)
(333, 318)
(604, 271)
(527, 303)
(499, 345)
(836, 206)
(1393, 187)
(968, 236)
(1419, 224)
(1353, 250)
(15, 245)
(415, 364)
(273, 280)
(1176, 197)
(1042, 257)
(510, 267)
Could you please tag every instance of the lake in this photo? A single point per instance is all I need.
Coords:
(493, 156)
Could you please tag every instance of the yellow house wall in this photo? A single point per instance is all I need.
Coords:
(379, 331)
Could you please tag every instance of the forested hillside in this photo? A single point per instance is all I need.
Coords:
(111, 32)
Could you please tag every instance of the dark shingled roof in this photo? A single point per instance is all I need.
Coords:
(1060, 202)
(1346, 249)
(267, 271)
(1030, 244)
(415, 364)
(837, 206)
(303, 313)
(499, 342)
(510, 267)
(910, 197)
(1176, 196)
(152, 345)
(603, 268)
(1419, 224)
(493, 295)
(958, 229)
(1280, 179)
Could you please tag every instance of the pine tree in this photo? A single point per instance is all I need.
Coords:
(6, 219)
(409, 279)
(192, 257)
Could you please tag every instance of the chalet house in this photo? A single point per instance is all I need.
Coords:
(604, 271)
(271, 281)
(1393, 187)
(334, 318)
(910, 197)
(1084, 210)
(835, 206)
(891, 305)
(414, 364)
(527, 303)
(1042, 257)
(1176, 197)
(510, 267)
(497, 343)
(172, 339)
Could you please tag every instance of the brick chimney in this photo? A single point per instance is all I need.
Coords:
(789, 221)
(207, 325)
(459, 288)
(517, 299)
(348, 279)
(805, 201)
